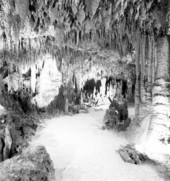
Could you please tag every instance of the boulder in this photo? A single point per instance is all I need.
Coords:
(14, 133)
(123, 125)
(130, 155)
(111, 118)
(117, 116)
(33, 164)
(78, 108)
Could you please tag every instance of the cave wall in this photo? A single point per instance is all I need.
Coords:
(152, 83)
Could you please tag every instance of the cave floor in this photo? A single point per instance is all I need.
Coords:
(82, 151)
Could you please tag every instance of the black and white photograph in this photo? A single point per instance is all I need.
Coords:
(84, 90)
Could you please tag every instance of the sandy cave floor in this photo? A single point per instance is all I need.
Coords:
(82, 151)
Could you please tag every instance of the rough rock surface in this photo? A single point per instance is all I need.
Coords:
(14, 133)
(48, 84)
(117, 116)
(130, 155)
(110, 118)
(34, 164)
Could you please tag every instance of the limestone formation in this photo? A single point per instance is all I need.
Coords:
(46, 45)
(130, 155)
(117, 116)
(15, 130)
(33, 164)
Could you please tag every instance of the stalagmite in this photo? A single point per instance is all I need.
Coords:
(33, 78)
(8, 143)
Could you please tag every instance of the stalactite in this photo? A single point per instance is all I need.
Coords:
(144, 66)
(168, 19)
(1, 83)
(142, 63)
(137, 86)
(153, 60)
(156, 59)
(146, 63)
(149, 68)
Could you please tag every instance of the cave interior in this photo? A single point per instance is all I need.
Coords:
(69, 57)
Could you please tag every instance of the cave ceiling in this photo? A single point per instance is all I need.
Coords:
(77, 28)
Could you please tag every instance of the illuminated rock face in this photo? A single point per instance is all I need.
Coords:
(155, 137)
(160, 121)
(49, 83)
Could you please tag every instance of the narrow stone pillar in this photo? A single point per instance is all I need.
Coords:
(8, 143)
(142, 68)
(1, 84)
(66, 105)
(66, 102)
(137, 84)
(149, 69)
(168, 19)
(160, 122)
(33, 78)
